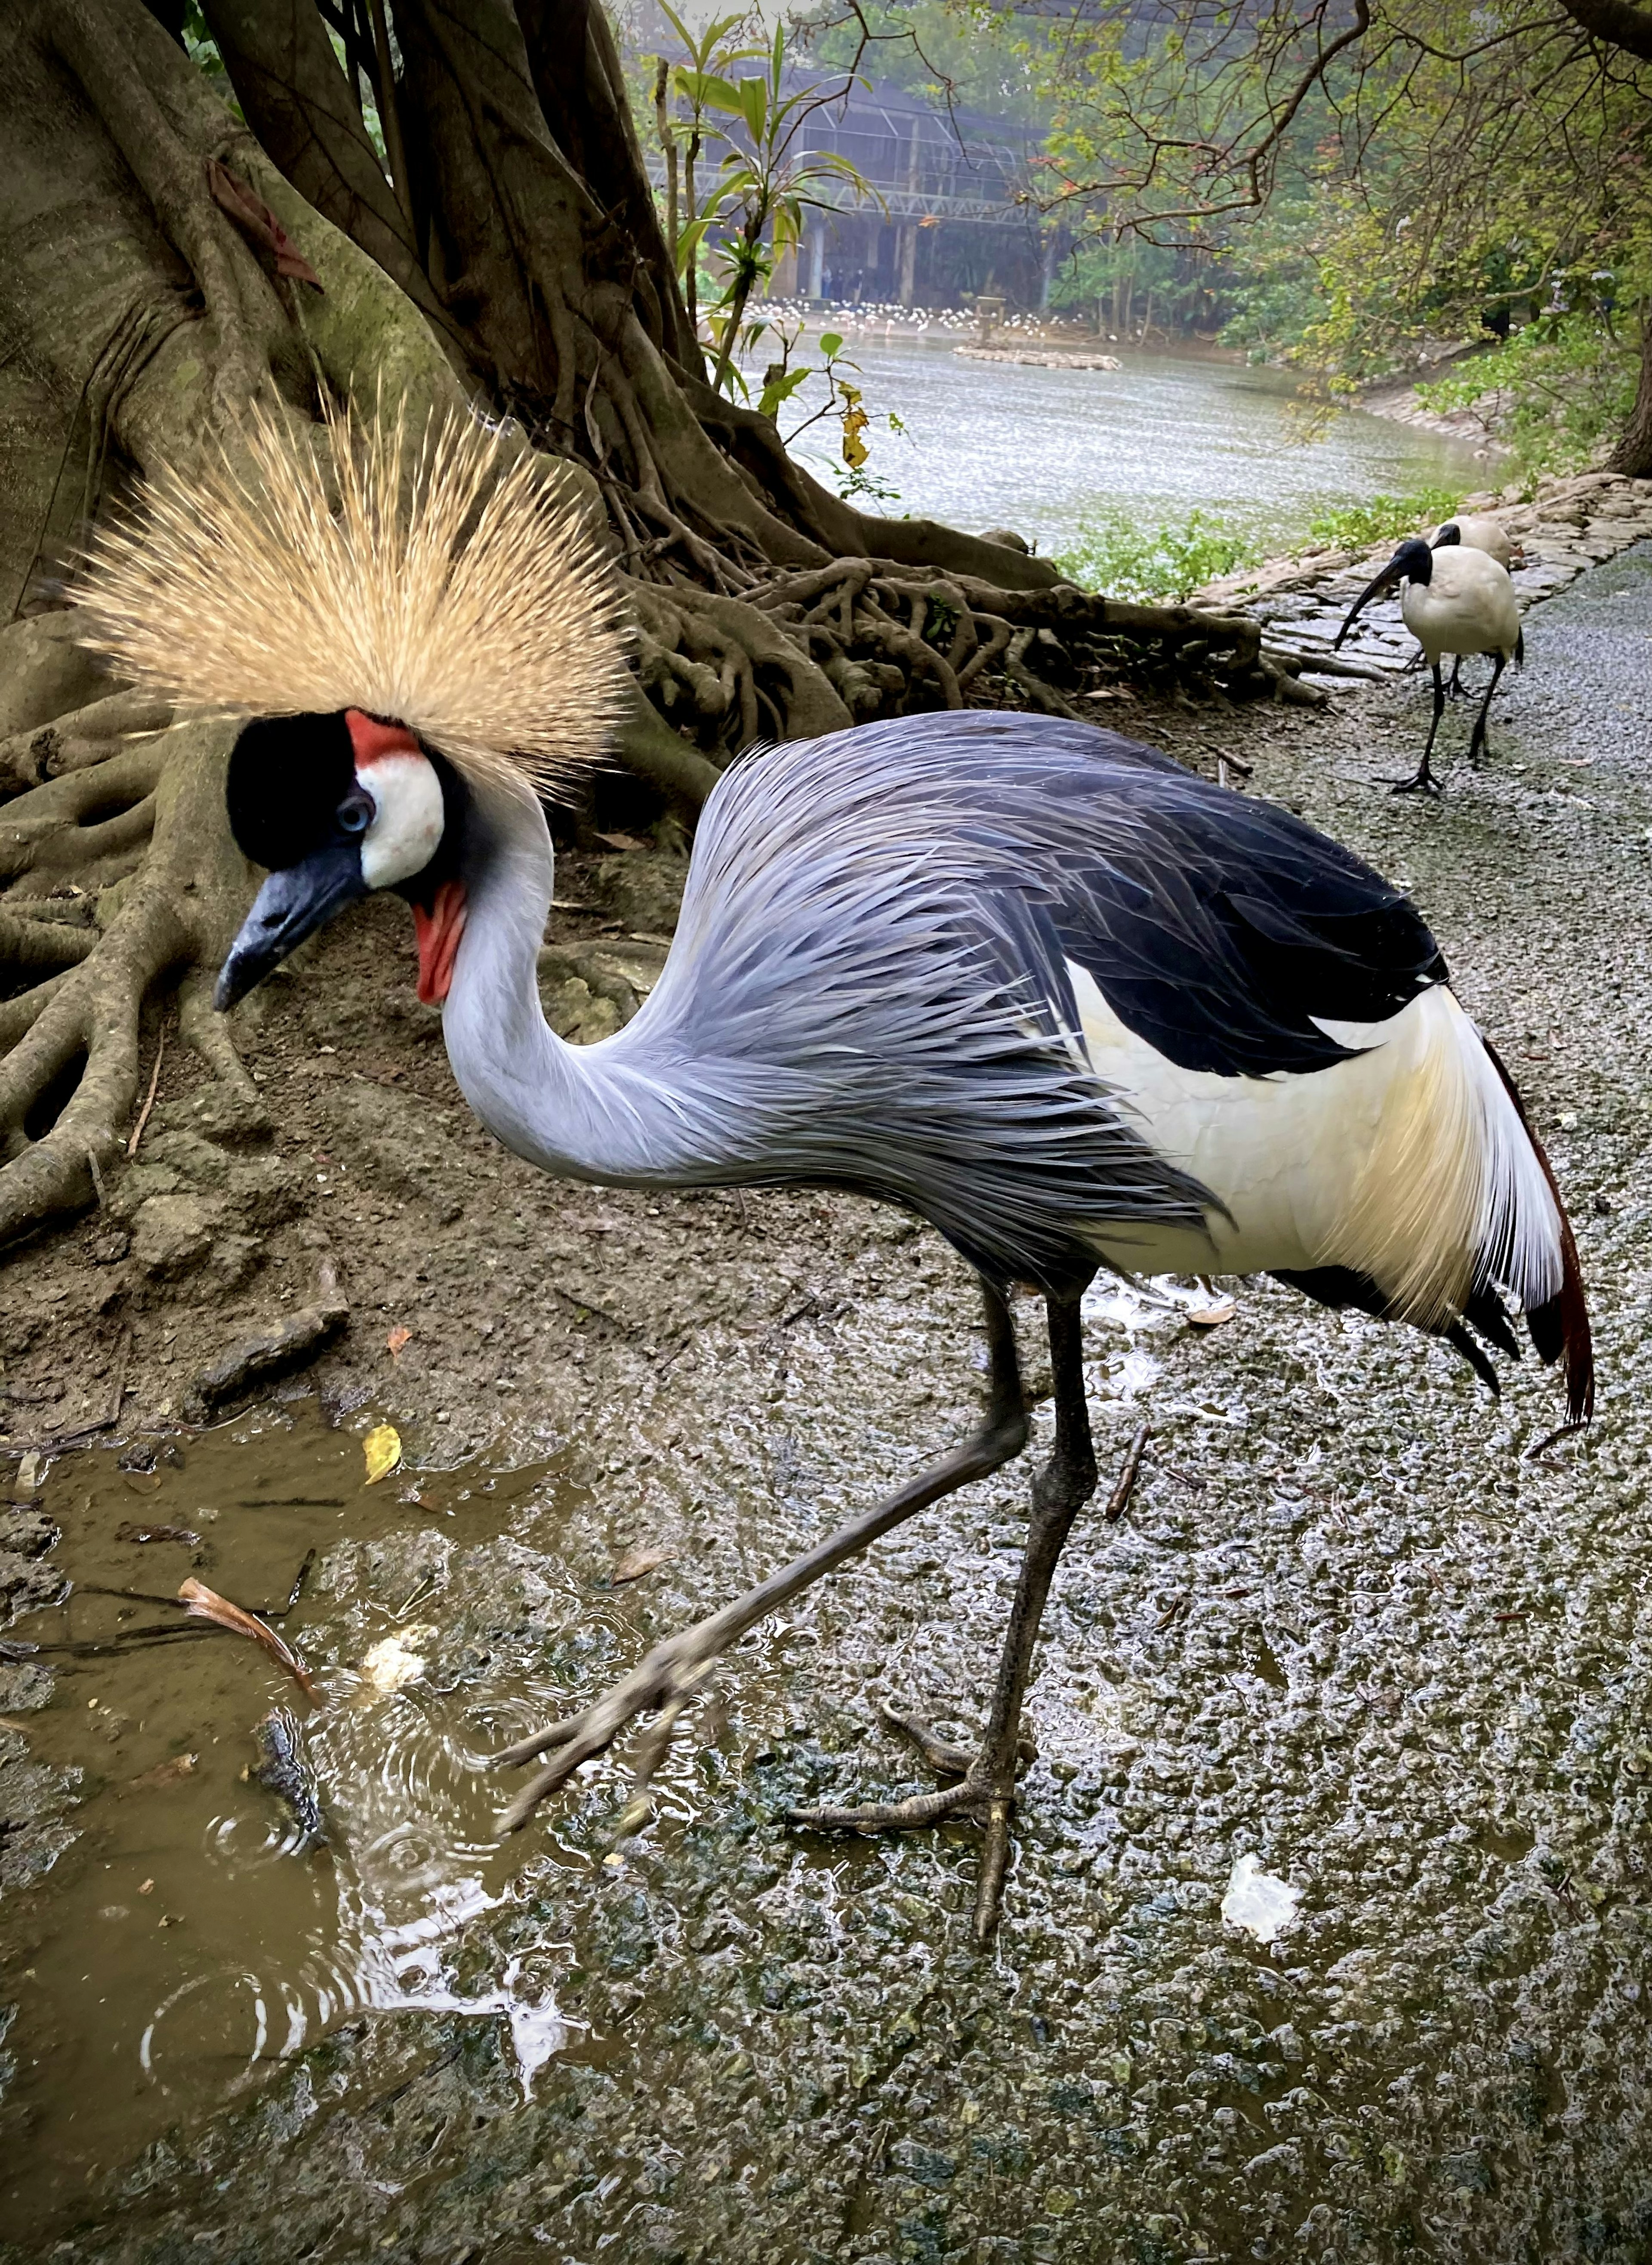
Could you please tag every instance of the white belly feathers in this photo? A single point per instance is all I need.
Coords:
(1402, 1163)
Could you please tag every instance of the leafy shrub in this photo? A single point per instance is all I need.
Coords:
(1383, 518)
(1556, 393)
(1113, 552)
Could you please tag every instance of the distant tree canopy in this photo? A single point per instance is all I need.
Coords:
(1383, 172)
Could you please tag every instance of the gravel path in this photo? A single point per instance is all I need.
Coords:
(1349, 1628)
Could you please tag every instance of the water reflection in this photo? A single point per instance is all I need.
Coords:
(197, 1930)
(1004, 444)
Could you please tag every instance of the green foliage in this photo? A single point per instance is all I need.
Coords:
(1383, 518)
(1272, 281)
(1113, 553)
(1445, 170)
(1130, 282)
(1558, 390)
(752, 213)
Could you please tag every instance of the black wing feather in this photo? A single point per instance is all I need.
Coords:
(1219, 928)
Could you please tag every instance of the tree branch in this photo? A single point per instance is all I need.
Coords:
(1616, 22)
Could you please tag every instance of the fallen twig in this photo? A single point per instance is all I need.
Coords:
(1126, 1482)
(102, 1646)
(148, 1098)
(211, 1606)
(299, 1579)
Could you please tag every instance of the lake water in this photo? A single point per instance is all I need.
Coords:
(1005, 444)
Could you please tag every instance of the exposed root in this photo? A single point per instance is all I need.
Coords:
(91, 735)
(276, 1352)
(801, 654)
(152, 890)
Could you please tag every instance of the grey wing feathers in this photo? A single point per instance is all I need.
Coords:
(872, 968)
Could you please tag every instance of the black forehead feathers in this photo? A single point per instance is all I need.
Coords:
(288, 777)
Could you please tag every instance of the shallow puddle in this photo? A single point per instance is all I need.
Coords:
(196, 1931)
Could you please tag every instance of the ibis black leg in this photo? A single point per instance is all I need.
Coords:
(1454, 689)
(988, 1789)
(1425, 782)
(1477, 741)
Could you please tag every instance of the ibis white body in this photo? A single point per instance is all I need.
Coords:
(1478, 534)
(1466, 606)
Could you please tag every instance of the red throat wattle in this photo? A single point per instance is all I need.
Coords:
(439, 930)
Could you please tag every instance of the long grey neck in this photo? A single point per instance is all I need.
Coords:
(584, 1112)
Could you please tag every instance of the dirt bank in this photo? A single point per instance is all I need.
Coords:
(1349, 1626)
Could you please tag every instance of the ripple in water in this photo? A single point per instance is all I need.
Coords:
(196, 1935)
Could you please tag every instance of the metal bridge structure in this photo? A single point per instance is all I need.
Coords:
(951, 209)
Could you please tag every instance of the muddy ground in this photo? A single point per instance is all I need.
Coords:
(1349, 1626)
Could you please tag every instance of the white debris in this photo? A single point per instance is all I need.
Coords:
(1257, 1902)
(392, 1664)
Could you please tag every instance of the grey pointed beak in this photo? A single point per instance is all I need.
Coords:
(292, 905)
(1374, 588)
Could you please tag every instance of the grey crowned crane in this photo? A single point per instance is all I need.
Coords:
(1457, 600)
(1072, 1004)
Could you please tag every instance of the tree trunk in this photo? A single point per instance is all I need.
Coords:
(1633, 452)
(515, 262)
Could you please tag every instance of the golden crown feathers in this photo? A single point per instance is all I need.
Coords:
(443, 581)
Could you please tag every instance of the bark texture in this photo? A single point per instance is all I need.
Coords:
(1633, 452)
(506, 255)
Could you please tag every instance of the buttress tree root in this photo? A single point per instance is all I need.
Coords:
(120, 876)
(505, 254)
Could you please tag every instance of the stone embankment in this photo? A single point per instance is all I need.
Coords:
(1568, 525)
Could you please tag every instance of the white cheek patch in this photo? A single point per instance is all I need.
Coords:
(408, 822)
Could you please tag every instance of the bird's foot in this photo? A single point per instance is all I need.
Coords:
(1424, 782)
(975, 1796)
(674, 1672)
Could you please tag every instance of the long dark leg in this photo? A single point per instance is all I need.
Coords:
(1477, 739)
(1425, 782)
(675, 1670)
(1060, 1490)
(1454, 689)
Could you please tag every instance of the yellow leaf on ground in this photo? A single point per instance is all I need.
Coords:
(398, 1337)
(1211, 1317)
(384, 1448)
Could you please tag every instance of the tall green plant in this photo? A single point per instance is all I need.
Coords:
(753, 212)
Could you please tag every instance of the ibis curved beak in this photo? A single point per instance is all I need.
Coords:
(1386, 581)
(292, 904)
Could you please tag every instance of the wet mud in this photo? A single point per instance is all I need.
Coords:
(1352, 1628)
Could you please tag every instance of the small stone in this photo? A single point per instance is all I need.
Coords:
(171, 1236)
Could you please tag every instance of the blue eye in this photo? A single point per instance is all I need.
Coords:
(355, 814)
